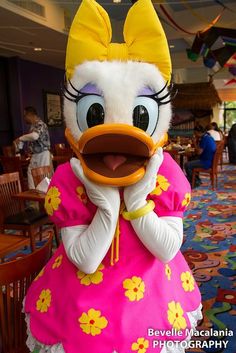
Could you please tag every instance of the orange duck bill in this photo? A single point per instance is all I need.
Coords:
(113, 154)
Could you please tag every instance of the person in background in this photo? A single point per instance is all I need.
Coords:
(38, 142)
(215, 132)
(205, 151)
(232, 144)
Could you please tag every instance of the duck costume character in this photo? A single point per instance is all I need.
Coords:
(118, 277)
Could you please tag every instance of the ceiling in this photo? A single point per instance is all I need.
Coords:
(22, 31)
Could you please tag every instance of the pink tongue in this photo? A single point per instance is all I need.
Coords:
(114, 161)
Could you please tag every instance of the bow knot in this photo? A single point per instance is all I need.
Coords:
(90, 37)
(119, 51)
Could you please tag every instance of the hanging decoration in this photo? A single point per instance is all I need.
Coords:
(230, 82)
(216, 45)
(232, 70)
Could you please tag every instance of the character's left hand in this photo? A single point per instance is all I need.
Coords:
(135, 195)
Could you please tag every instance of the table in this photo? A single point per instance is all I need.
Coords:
(10, 243)
(180, 154)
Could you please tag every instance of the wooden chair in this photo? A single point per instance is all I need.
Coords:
(13, 164)
(221, 143)
(213, 171)
(15, 279)
(28, 221)
(40, 173)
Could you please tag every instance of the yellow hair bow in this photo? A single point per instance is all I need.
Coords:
(90, 37)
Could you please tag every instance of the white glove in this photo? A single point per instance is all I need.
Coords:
(135, 195)
(161, 236)
(105, 197)
(86, 246)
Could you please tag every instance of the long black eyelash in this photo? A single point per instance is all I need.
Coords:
(161, 100)
(69, 95)
(74, 97)
(162, 88)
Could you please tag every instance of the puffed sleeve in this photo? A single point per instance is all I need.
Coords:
(172, 193)
(66, 201)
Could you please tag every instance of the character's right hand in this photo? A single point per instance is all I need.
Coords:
(105, 197)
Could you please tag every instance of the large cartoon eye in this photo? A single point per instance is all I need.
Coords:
(145, 114)
(90, 111)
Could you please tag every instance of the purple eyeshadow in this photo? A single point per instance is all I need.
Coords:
(146, 91)
(91, 89)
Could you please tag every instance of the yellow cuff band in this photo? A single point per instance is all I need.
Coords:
(129, 216)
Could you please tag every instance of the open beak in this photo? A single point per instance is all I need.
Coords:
(113, 154)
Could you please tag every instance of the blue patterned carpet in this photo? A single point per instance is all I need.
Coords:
(210, 249)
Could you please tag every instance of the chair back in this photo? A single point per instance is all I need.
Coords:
(13, 164)
(9, 185)
(218, 155)
(15, 279)
(40, 173)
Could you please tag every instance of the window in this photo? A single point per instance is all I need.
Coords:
(229, 115)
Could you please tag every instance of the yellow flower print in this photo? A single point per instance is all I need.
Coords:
(82, 194)
(44, 301)
(92, 323)
(168, 271)
(186, 200)
(140, 346)
(39, 274)
(175, 316)
(57, 262)
(93, 278)
(135, 288)
(162, 184)
(187, 281)
(52, 200)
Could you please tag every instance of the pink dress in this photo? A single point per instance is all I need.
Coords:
(114, 309)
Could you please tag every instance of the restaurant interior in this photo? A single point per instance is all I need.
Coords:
(201, 36)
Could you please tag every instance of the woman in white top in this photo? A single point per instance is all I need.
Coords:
(215, 132)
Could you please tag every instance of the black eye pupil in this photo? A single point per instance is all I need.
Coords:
(95, 115)
(140, 117)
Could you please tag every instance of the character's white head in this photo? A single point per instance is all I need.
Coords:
(117, 111)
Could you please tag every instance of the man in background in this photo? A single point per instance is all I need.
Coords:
(38, 142)
(205, 151)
